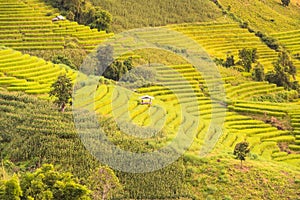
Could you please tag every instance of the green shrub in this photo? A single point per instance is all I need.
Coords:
(268, 40)
(258, 73)
(61, 59)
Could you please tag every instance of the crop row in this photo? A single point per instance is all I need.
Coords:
(29, 74)
(218, 40)
(256, 111)
(17, 22)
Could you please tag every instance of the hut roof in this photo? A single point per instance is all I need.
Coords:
(147, 97)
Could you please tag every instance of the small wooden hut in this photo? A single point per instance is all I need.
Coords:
(146, 100)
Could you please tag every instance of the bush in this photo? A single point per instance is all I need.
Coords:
(258, 73)
(60, 59)
(269, 41)
(229, 61)
(49, 14)
(285, 2)
(219, 61)
(247, 57)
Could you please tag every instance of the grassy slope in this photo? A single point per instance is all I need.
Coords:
(222, 178)
(260, 13)
(33, 132)
(47, 136)
(135, 14)
(209, 177)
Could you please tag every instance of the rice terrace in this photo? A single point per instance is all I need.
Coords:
(112, 99)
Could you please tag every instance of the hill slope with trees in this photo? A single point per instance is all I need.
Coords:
(260, 106)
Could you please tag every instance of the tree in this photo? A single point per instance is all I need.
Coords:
(247, 57)
(285, 2)
(241, 150)
(283, 68)
(111, 69)
(60, 59)
(75, 6)
(10, 189)
(102, 20)
(104, 183)
(278, 77)
(62, 90)
(47, 183)
(229, 61)
(258, 73)
(84, 12)
(286, 62)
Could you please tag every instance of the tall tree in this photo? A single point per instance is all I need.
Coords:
(229, 61)
(247, 57)
(258, 73)
(241, 150)
(102, 20)
(104, 183)
(286, 62)
(279, 76)
(62, 91)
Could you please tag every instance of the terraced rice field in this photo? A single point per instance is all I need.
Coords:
(290, 40)
(295, 122)
(180, 100)
(182, 97)
(221, 39)
(266, 16)
(242, 91)
(20, 29)
(22, 72)
(262, 136)
(43, 123)
(264, 108)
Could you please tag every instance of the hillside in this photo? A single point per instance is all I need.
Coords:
(200, 108)
(136, 14)
(266, 16)
(290, 41)
(48, 136)
(222, 39)
(222, 178)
